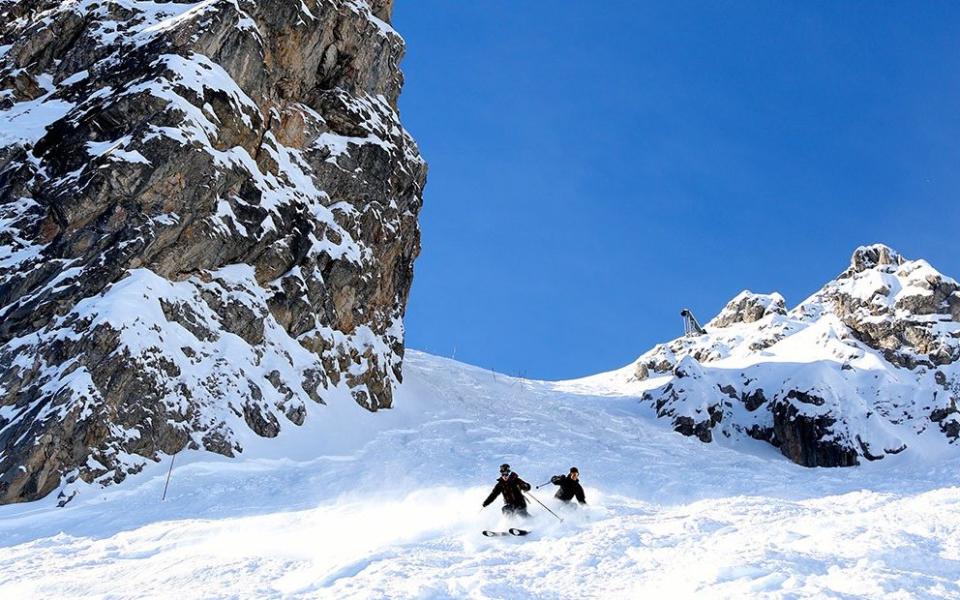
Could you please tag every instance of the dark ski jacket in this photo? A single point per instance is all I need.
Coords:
(568, 489)
(512, 490)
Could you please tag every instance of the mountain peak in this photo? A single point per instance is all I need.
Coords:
(748, 307)
(874, 255)
(857, 371)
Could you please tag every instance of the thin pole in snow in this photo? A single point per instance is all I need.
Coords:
(167, 484)
(543, 505)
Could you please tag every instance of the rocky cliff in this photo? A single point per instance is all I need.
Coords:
(208, 223)
(866, 367)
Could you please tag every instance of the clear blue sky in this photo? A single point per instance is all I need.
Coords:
(596, 166)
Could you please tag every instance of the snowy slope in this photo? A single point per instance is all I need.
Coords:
(391, 508)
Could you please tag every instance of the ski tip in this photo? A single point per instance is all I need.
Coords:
(516, 531)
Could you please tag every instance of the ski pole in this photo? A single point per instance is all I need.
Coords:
(543, 484)
(543, 505)
(167, 484)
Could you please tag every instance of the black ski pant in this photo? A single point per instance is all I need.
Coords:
(515, 510)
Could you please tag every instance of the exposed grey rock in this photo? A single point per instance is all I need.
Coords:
(753, 400)
(869, 257)
(748, 307)
(641, 372)
(215, 228)
(896, 321)
(807, 439)
(856, 371)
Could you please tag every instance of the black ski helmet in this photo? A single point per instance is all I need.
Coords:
(574, 470)
(504, 468)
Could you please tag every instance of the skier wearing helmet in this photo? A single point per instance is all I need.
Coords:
(511, 487)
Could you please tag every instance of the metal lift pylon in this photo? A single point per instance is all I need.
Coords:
(691, 327)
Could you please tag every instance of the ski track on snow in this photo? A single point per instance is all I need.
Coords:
(358, 505)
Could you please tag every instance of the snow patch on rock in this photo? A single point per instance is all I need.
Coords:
(866, 367)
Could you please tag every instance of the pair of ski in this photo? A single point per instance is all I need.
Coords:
(511, 531)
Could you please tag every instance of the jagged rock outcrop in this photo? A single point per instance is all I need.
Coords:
(748, 307)
(862, 369)
(896, 306)
(208, 222)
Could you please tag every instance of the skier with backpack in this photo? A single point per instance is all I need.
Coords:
(570, 487)
(511, 487)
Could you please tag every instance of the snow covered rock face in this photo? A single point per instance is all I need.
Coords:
(867, 366)
(748, 307)
(208, 222)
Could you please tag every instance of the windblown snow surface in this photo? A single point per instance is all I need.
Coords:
(354, 505)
